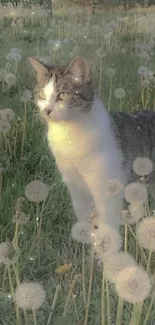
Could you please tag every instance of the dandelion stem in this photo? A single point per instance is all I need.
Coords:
(12, 293)
(89, 290)
(25, 317)
(72, 286)
(83, 273)
(108, 303)
(100, 77)
(4, 278)
(24, 129)
(149, 310)
(1, 183)
(15, 239)
(53, 304)
(34, 317)
(103, 310)
(149, 260)
(137, 313)
(126, 238)
(120, 311)
(110, 93)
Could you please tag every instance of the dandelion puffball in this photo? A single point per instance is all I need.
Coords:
(142, 166)
(146, 233)
(30, 295)
(116, 262)
(106, 240)
(7, 253)
(119, 93)
(110, 72)
(4, 126)
(10, 79)
(133, 284)
(26, 96)
(81, 232)
(136, 192)
(133, 214)
(8, 114)
(36, 191)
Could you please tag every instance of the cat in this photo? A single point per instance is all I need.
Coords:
(91, 146)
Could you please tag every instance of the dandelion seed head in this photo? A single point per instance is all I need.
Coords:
(7, 253)
(20, 218)
(10, 79)
(26, 96)
(142, 166)
(119, 93)
(133, 284)
(110, 72)
(106, 240)
(36, 191)
(30, 295)
(5, 126)
(81, 232)
(136, 192)
(8, 114)
(146, 233)
(116, 262)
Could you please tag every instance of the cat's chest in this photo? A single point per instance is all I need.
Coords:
(67, 142)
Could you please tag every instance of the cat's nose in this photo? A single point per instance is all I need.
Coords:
(47, 111)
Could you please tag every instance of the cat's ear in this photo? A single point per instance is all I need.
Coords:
(79, 69)
(38, 66)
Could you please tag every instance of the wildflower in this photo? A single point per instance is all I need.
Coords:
(7, 253)
(113, 187)
(142, 166)
(4, 126)
(26, 96)
(81, 232)
(106, 240)
(133, 284)
(135, 192)
(110, 72)
(30, 295)
(10, 79)
(146, 233)
(119, 93)
(116, 262)
(36, 191)
(8, 114)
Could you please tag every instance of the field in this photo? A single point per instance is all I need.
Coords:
(121, 50)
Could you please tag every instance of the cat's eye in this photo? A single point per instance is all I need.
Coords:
(42, 94)
(63, 96)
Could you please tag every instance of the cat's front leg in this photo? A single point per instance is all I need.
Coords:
(82, 200)
(108, 203)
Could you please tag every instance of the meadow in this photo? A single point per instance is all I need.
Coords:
(36, 218)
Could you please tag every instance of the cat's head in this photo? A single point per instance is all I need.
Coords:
(63, 93)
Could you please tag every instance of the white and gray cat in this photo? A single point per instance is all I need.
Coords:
(91, 146)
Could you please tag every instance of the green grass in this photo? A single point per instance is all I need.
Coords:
(37, 36)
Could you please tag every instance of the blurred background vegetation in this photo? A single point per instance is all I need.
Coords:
(92, 5)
